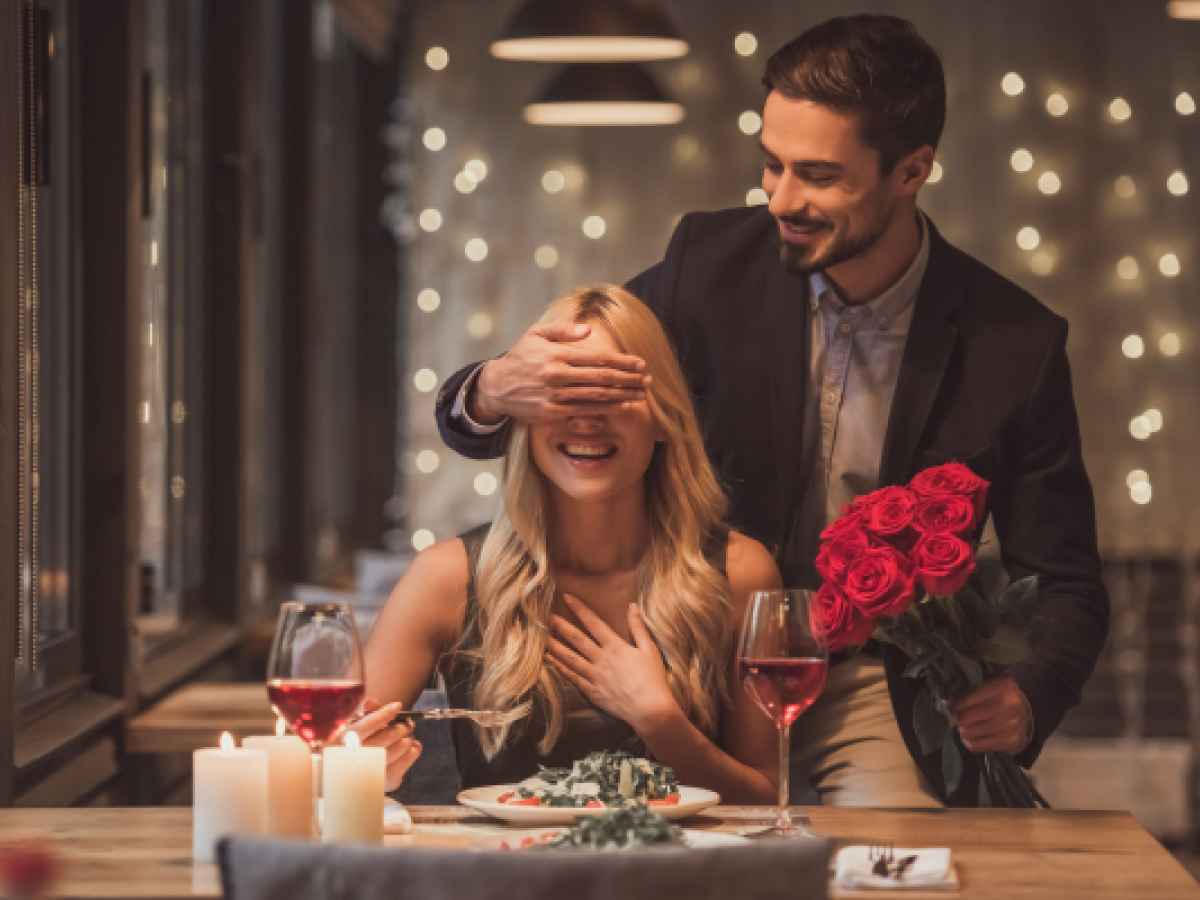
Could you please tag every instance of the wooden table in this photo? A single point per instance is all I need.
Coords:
(999, 854)
(194, 717)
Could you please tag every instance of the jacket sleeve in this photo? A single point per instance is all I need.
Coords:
(458, 438)
(1045, 518)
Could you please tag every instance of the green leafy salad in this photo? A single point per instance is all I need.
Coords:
(618, 829)
(606, 778)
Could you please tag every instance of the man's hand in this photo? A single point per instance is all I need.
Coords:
(545, 377)
(995, 718)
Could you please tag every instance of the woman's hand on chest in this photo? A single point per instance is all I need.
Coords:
(625, 678)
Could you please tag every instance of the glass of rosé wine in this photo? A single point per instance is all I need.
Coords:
(315, 674)
(783, 658)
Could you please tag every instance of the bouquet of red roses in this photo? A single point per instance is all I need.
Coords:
(900, 565)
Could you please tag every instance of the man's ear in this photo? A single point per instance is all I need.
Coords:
(913, 171)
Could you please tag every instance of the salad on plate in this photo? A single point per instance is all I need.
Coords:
(609, 779)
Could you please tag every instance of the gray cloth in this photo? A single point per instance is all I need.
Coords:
(261, 869)
(854, 362)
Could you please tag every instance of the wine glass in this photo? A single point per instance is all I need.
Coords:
(783, 659)
(315, 675)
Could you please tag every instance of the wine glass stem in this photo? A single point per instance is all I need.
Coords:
(785, 751)
(317, 775)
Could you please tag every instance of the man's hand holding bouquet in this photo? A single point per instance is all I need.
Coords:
(900, 565)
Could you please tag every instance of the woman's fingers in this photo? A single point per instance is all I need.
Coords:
(378, 719)
(561, 653)
(388, 737)
(595, 625)
(398, 767)
(638, 631)
(580, 640)
(585, 686)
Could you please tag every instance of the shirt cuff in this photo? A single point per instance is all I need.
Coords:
(459, 409)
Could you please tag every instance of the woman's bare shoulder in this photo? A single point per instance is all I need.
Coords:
(432, 594)
(750, 568)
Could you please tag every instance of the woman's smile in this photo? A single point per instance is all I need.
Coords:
(587, 455)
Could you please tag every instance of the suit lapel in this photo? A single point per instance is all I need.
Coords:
(787, 305)
(931, 339)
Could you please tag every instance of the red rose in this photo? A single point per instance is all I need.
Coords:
(849, 521)
(890, 517)
(943, 562)
(879, 582)
(951, 512)
(952, 478)
(845, 625)
(839, 551)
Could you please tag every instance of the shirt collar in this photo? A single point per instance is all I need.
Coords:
(894, 304)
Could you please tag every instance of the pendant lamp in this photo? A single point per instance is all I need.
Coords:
(589, 31)
(603, 94)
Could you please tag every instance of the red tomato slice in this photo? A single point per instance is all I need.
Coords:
(595, 804)
(504, 798)
(532, 801)
(673, 800)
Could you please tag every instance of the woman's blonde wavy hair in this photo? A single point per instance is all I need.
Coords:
(684, 600)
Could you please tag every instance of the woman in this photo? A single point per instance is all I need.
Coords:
(607, 592)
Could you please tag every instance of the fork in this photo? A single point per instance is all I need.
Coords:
(486, 718)
(883, 858)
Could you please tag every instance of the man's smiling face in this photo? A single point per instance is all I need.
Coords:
(826, 190)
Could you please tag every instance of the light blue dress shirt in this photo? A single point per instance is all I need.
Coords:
(854, 362)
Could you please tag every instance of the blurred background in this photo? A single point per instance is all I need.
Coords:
(244, 241)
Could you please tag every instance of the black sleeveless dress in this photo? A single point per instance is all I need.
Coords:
(587, 728)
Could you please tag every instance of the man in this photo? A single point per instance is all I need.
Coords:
(836, 343)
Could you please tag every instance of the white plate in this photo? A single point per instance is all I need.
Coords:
(511, 838)
(691, 801)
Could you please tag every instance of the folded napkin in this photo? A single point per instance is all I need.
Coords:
(930, 871)
(396, 819)
(264, 869)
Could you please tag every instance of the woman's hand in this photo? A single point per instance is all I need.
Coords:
(628, 681)
(374, 730)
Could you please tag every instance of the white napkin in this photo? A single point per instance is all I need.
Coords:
(396, 819)
(930, 871)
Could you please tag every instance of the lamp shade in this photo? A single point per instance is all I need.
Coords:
(1184, 9)
(603, 94)
(589, 31)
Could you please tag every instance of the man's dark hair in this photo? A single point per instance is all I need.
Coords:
(876, 67)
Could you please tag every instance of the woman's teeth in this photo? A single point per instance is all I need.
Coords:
(589, 451)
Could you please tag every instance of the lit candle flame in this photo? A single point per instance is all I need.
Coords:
(352, 740)
(280, 728)
(227, 744)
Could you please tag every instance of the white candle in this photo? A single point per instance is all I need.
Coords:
(229, 795)
(289, 795)
(354, 792)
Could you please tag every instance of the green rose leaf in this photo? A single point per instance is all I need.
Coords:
(1019, 602)
(952, 765)
(930, 722)
(970, 667)
(1006, 646)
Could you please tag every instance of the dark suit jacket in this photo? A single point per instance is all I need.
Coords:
(984, 380)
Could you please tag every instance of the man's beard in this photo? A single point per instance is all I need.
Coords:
(801, 260)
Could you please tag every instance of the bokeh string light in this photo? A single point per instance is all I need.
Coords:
(1021, 160)
(1056, 105)
(1012, 84)
(745, 44)
(429, 300)
(1133, 346)
(437, 58)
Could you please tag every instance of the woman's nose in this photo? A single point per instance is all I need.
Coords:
(585, 424)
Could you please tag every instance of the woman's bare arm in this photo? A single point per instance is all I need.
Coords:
(422, 618)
